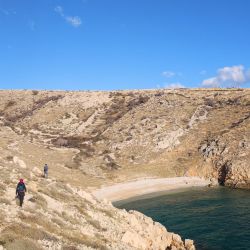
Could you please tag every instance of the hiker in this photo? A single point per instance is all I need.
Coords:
(45, 170)
(20, 191)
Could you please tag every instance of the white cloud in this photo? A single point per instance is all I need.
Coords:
(59, 9)
(75, 21)
(211, 82)
(168, 74)
(231, 76)
(235, 74)
(174, 85)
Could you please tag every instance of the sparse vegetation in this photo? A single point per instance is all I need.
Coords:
(9, 158)
(10, 104)
(209, 102)
(39, 201)
(35, 92)
(13, 118)
(90, 139)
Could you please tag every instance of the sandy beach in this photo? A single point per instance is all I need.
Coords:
(126, 190)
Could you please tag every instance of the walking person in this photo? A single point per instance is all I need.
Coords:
(46, 170)
(20, 191)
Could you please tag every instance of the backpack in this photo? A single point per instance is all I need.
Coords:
(21, 188)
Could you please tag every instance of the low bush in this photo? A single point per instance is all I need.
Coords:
(35, 92)
(10, 104)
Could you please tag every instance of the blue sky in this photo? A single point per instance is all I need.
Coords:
(124, 44)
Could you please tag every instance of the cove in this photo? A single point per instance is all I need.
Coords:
(215, 218)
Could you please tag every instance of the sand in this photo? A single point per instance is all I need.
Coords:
(144, 186)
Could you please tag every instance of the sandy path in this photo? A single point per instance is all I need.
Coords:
(139, 187)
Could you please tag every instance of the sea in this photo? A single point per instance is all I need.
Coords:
(216, 218)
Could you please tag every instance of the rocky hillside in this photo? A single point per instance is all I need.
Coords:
(105, 137)
(60, 217)
(91, 139)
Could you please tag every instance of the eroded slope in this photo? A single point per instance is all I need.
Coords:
(106, 137)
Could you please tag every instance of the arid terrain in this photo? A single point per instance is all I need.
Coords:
(95, 139)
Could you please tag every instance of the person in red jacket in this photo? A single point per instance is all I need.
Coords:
(20, 191)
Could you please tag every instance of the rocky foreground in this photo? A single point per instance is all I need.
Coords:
(58, 216)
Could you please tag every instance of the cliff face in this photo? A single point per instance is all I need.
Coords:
(106, 137)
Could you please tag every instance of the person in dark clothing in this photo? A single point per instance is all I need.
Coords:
(46, 170)
(20, 191)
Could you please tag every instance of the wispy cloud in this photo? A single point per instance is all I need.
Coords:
(231, 76)
(7, 12)
(75, 21)
(59, 10)
(203, 72)
(168, 74)
(174, 85)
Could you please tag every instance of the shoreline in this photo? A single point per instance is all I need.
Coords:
(147, 186)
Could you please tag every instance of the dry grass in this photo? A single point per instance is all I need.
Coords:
(21, 236)
(23, 244)
(96, 224)
(7, 181)
(69, 247)
(2, 216)
(72, 220)
(2, 189)
(39, 219)
(108, 213)
(83, 239)
(4, 201)
(55, 194)
(83, 210)
(39, 201)
(59, 222)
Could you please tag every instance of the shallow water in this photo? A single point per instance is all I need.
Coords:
(215, 218)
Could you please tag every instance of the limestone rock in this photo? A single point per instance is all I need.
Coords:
(134, 240)
(189, 244)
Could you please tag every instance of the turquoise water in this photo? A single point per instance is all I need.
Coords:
(215, 218)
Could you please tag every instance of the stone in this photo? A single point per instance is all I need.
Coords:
(176, 238)
(134, 240)
(189, 244)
